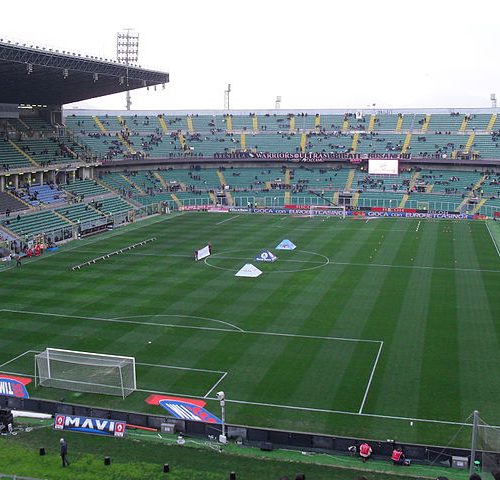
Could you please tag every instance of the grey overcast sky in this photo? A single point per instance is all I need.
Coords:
(317, 54)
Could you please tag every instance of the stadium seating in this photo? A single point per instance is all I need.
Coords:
(11, 158)
(80, 213)
(11, 203)
(43, 194)
(85, 188)
(41, 222)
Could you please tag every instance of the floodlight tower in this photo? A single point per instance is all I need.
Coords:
(226, 96)
(127, 52)
(493, 99)
(277, 104)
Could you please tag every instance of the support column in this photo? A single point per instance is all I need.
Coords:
(39, 178)
(52, 176)
(2, 184)
(15, 180)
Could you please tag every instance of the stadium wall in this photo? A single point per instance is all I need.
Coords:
(251, 436)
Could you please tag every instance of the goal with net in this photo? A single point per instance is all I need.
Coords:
(322, 211)
(85, 372)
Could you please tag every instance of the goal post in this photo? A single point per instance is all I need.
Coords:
(317, 211)
(85, 372)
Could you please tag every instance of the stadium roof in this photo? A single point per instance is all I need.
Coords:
(32, 75)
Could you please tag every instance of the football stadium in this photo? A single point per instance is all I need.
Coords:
(264, 290)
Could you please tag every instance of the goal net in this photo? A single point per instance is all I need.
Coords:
(85, 372)
(488, 444)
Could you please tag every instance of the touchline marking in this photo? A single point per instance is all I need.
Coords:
(228, 219)
(215, 385)
(493, 239)
(371, 377)
(191, 369)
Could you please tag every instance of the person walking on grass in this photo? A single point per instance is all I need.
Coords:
(64, 452)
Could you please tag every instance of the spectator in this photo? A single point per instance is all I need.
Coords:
(365, 451)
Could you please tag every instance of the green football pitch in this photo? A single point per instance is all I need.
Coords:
(386, 329)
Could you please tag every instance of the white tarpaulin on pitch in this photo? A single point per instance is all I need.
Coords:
(202, 253)
(248, 270)
(286, 245)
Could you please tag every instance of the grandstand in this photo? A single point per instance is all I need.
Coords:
(65, 175)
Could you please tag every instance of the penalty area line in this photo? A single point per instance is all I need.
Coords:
(215, 385)
(228, 219)
(371, 377)
(493, 239)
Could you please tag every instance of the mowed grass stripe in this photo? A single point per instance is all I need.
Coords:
(397, 389)
(386, 304)
(440, 365)
(476, 326)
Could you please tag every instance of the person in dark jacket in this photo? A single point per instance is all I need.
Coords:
(64, 452)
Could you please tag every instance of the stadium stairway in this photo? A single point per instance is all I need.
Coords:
(406, 143)
(335, 198)
(162, 181)
(291, 128)
(229, 197)
(189, 122)
(317, 122)
(425, 125)
(491, 123)
(354, 145)
(413, 180)
(469, 195)
(127, 179)
(255, 124)
(62, 217)
(463, 125)
(26, 204)
(371, 123)
(126, 144)
(399, 125)
(303, 142)
(470, 142)
(479, 205)
(288, 197)
(182, 141)
(222, 178)
(163, 124)
(213, 198)
(287, 176)
(243, 141)
(23, 153)
(403, 201)
(229, 124)
(350, 179)
(355, 199)
(175, 198)
(99, 124)
(345, 125)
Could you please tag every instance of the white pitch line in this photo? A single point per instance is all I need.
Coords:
(15, 358)
(203, 370)
(228, 219)
(493, 239)
(317, 410)
(371, 378)
(118, 320)
(131, 322)
(215, 385)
